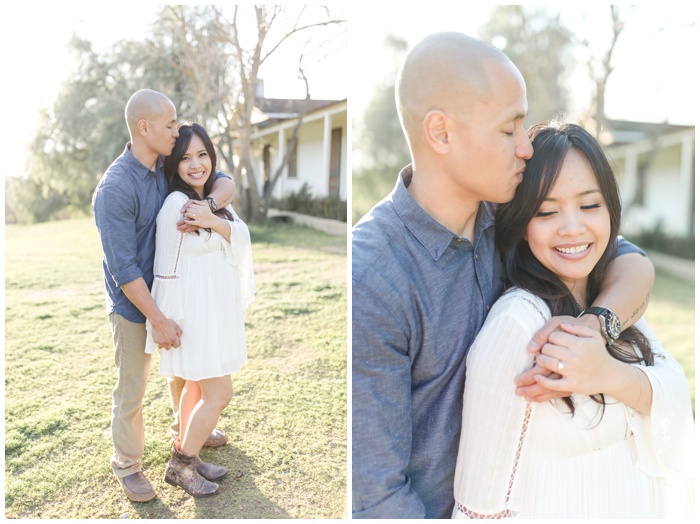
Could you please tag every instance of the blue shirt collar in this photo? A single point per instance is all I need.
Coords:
(137, 167)
(432, 235)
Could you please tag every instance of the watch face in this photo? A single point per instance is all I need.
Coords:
(613, 325)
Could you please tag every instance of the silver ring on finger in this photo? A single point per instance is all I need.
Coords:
(560, 367)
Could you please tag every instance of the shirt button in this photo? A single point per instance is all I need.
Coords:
(476, 256)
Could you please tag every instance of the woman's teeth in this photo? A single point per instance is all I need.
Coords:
(572, 250)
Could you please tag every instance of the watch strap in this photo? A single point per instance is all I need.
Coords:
(595, 310)
(607, 319)
(213, 205)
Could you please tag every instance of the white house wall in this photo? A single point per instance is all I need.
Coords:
(312, 165)
(668, 197)
(664, 197)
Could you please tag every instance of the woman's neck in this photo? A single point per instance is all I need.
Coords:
(578, 291)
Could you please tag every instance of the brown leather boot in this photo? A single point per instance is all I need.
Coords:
(182, 471)
(211, 471)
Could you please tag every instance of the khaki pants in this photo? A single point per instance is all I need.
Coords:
(133, 366)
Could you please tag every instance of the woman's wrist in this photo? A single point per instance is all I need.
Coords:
(631, 386)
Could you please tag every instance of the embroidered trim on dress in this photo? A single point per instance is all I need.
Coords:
(500, 515)
(507, 513)
(177, 261)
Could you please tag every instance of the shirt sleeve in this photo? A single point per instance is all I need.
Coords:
(625, 247)
(664, 438)
(492, 450)
(381, 412)
(115, 217)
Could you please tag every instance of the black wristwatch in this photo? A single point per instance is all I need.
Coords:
(610, 324)
(212, 204)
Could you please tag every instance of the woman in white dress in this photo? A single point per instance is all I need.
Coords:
(203, 281)
(625, 435)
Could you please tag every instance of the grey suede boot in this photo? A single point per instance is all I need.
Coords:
(211, 471)
(182, 471)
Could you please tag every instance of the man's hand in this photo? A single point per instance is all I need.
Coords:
(167, 334)
(528, 387)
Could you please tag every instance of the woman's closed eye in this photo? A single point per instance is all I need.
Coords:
(545, 213)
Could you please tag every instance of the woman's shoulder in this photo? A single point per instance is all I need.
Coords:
(521, 304)
(174, 199)
(177, 196)
(172, 204)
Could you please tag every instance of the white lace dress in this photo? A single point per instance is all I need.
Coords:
(533, 460)
(204, 283)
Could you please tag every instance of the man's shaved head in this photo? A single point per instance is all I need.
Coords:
(445, 71)
(144, 104)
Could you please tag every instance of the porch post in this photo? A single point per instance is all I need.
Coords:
(685, 187)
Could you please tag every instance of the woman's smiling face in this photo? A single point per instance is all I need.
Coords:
(570, 231)
(195, 166)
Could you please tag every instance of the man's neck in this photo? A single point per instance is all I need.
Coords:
(457, 212)
(145, 155)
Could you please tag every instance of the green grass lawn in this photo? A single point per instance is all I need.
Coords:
(287, 449)
(287, 421)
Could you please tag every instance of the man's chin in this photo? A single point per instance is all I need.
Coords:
(503, 199)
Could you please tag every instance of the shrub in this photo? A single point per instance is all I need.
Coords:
(656, 240)
(305, 203)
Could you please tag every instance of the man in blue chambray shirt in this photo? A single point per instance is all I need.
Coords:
(425, 272)
(126, 203)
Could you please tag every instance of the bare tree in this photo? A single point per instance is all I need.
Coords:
(221, 55)
(249, 60)
(599, 69)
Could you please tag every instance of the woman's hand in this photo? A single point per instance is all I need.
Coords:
(197, 214)
(577, 352)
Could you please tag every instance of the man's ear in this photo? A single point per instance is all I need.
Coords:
(435, 131)
(142, 126)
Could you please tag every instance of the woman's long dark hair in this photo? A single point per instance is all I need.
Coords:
(551, 143)
(175, 183)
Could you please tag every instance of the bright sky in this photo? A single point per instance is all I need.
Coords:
(654, 77)
(655, 74)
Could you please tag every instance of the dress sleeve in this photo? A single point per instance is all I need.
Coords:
(665, 438)
(166, 290)
(382, 423)
(493, 444)
(239, 253)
